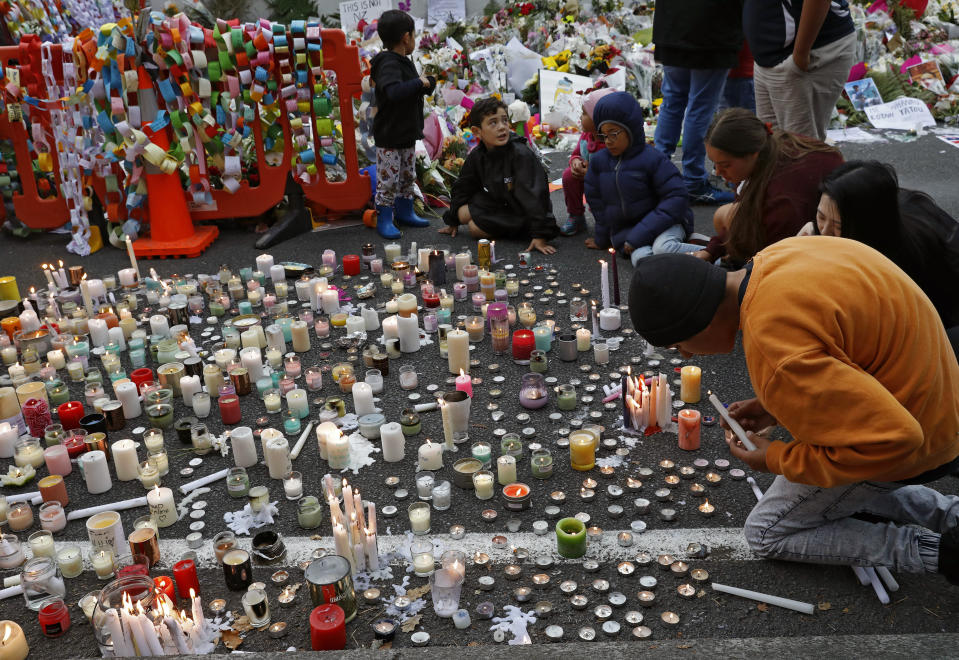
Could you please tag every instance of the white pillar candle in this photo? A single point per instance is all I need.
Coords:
(391, 327)
(252, 359)
(264, 262)
(462, 259)
(125, 459)
(300, 334)
(159, 325)
(96, 472)
(128, 276)
(277, 274)
(355, 324)
(610, 319)
(338, 451)
(324, 433)
(363, 399)
(162, 506)
(277, 457)
(248, 339)
(223, 357)
(129, 398)
(331, 301)
(423, 259)
(56, 359)
(409, 332)
(29, 321)
(430, 456)
(116, 335)
(458, 351)
(8, 438)
(506, 470)
(244, 448)
(393, 442)
(99, 335)
(190, 385)
(296, 401)
(371, 320)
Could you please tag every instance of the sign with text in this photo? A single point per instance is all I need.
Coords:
(353, 11)
(904, 113)
(447, 11)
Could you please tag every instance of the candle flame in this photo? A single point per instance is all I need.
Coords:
(602, 261)
(7, 634)
(61, 263)
(156, 488)
(192, 593)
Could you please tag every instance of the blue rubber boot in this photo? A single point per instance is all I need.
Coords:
(384, 222)
(405, 214)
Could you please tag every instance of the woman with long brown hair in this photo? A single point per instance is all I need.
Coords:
(780, 175)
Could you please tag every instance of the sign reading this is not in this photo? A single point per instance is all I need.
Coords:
(353, 11)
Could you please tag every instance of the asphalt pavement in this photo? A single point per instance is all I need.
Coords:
(848, 619)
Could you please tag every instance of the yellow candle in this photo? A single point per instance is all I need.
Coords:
(338, 320)
(690, 389)
(13, 644)
(582, 451)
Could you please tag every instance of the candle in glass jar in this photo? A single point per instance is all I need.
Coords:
(506, 470)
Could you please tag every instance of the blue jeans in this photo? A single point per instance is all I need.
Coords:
(668, 242)
(690, 99)
(803, 523)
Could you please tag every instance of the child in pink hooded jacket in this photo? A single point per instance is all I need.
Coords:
(575, 174)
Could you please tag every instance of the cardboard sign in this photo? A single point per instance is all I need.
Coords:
(904, 114)
(353, 11)
(447, 11)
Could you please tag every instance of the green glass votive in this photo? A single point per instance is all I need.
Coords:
(571, 538)
(160, 415)
(309, 512)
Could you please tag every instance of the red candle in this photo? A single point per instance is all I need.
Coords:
(75, 445)
(70, 414)
(184, 572)
(229, 408)
(164, 584)
(54, 618)
(431, 299)
(523, 344)
(351, 265)
(141, 377)
(689, 429)
(328, 628)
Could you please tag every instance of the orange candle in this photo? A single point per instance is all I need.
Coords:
(516, 490)
(110, 318)
(689, 429)
(10, 325)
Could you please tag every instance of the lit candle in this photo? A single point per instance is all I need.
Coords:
(506, 470)
(162, 506)
(690, 389)
(430, 456)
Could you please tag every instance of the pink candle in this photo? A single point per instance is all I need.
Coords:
(689, 429)
(269, 300)
(322, 327)
(57, 459)
(464, 383)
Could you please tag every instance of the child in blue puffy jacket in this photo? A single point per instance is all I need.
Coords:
(636, 194)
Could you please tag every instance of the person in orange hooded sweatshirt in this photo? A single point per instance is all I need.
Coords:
(847, 354)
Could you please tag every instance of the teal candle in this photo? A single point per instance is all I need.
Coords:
(544, 337)
(286, 324)
(571, 538)
(310, 513)
(444, 316)
(93, 375)
(246, 274)
(291, 422)
(136, 344)
(245, 307)
(138, 358)
(260, 277)
(117, 375)
(483, 453)
(566, 397)
(264, 385)
(275, 377)
(78, 349)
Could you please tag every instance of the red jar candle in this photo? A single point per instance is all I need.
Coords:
(229, 408)
(75, 445)
(523, 344)
(184, 572)
(328, 628)
(431, 299)
(141, 377)
(54, 617)
(351, 264)
(164, 584)
(70, 414)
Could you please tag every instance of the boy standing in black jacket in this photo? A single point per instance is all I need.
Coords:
(502, 189)
(398, 122)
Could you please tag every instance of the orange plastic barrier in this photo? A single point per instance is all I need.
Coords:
(249, 201)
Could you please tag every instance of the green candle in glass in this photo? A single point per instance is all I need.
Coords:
(160, 415)
(58, 394)
(310, 512)
(538, 361)
(571, 538)
(511, 445)
(483, 453)
(410, 422)
(237, 482)
(566, 397)
(541, 463)
(291, 422)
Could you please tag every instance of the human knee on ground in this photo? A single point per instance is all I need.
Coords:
(760, 534)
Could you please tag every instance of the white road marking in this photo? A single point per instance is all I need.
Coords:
(723, 542)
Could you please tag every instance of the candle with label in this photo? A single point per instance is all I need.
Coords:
(162, 506)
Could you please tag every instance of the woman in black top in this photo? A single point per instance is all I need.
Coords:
(862, 200)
